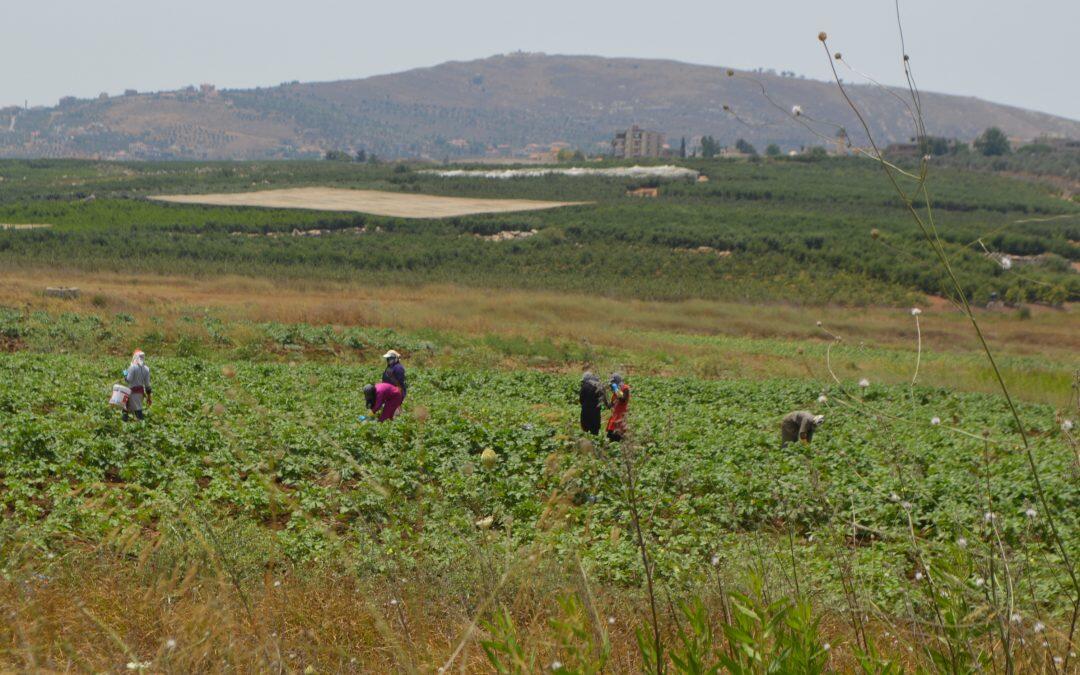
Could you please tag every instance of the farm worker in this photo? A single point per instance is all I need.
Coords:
(383, 400)
(799, 426)
(395, 372)
(137, 377)
(592, 397)
(620, 401)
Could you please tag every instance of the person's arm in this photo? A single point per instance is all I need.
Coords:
(149, 397)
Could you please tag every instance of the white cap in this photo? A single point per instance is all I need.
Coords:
(818, 419)
(391, 355)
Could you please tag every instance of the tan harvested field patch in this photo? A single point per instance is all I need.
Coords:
(375, 202)
(23, 226)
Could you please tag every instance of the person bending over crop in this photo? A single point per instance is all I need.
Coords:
(593, 399)
(395, 372)
(383, 399)
(137, 376)
(620, 401)
(799, 426)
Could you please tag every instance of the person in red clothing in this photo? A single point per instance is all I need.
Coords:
(620, 401)
(383, 399)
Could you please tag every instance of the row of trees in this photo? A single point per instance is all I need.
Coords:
(361, 156)
(710, 147)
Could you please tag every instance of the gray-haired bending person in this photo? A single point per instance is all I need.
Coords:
(799, 426)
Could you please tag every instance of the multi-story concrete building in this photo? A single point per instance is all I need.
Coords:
(637, 142)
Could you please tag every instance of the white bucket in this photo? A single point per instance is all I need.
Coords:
(120, 396)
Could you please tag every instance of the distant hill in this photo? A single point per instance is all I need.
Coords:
(504, 103)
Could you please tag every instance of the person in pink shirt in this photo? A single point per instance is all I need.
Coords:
(383, 399)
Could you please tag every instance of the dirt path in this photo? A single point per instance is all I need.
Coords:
(375, 202)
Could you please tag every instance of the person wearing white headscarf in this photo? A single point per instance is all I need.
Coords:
(137, 377)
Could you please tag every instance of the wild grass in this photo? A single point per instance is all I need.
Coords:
(558, 331)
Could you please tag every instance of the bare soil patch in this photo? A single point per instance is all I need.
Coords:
(375, 202)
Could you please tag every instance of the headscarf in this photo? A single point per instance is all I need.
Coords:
(138, 358)
(369, 394)
(617, 380)
(590, 378)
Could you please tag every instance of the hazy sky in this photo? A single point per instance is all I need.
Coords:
(1023, 53)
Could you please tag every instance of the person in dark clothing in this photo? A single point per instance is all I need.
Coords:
(395, 372)
(593, 400)
(799, 426)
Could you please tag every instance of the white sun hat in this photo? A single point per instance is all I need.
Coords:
(391, 355)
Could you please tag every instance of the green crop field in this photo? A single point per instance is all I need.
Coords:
(829, 231)
(254, 523)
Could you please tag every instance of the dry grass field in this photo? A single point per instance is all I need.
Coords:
(701, 338)
(375, 202)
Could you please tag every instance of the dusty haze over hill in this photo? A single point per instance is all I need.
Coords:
(503, 104)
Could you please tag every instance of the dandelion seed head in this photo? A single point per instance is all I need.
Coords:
(822, 36)
(988, 516)
(935, 420)
(170, 644)
(1067, 425)
(819, 324)
(838, 56)
(864, 383)
(893, 497)
(556, 665)
(823, 399)
(277, 582)
(1006, 262)
(1015, 618)
(826, 646)
(918, 576)
(906, 506)
(1031, 513)
(796, 110)
(980, 582)
(1039, 627)
(715, 560)
(1058, 660)
(611, 621)
(915, 311)
(393, 602)
(809, 537)
(961, 542)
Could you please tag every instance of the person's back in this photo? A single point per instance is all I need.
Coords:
(387, 400)
(591, 397)
(138, 376)
(799, 426)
